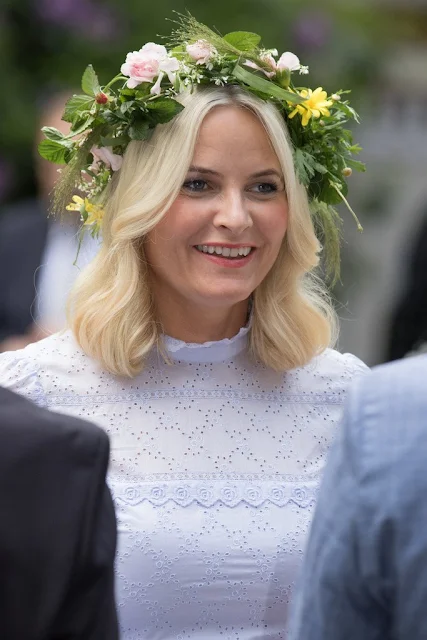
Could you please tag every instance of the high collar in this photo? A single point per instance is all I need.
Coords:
(215, 351)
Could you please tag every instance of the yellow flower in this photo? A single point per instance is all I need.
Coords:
(95, 213)
(76, 205)
(315, 105)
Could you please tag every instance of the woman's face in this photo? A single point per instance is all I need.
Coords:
(223, 232)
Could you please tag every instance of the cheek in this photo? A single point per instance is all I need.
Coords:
(172, 234)
(274, 223)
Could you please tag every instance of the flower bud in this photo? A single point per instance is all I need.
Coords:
(101, 98)
(336, 97)
(347, 171)
(322, 123)
(283, 77)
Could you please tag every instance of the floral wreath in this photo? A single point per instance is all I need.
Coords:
(104, 119)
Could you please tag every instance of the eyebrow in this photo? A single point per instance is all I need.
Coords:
(258, 174)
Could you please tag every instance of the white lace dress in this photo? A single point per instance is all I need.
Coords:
(215, 464)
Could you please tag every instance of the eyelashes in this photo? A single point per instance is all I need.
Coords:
(198, 185)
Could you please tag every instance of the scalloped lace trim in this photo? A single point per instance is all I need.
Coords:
(228, 492)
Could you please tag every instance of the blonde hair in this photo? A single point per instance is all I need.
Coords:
(111, 310)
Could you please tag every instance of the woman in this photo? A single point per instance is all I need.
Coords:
(199, 340)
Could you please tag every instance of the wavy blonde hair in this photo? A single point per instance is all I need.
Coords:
(111, 310)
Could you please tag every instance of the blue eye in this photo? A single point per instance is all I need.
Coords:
(195, 185)
(265, 187)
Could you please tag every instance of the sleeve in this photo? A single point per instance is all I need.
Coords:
(340, 592)
(89, 608)
(354, 365)
(19, 373)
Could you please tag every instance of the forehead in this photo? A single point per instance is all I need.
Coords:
(232, 134)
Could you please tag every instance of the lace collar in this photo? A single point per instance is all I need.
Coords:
(215, 351)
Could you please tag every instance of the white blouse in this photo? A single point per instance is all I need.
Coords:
(215, 464)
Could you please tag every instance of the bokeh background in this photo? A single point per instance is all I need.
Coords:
(378, 48)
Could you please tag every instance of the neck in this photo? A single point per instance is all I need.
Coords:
(201, 324)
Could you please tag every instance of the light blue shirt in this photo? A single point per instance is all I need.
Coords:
(365, 570)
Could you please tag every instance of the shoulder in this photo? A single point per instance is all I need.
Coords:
(385, 429)
(334, 363)
(392, 404)
(409, 374)
(21, 370)
(330, 371)
(34, 434)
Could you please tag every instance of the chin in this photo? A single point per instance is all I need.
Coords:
(224, 297)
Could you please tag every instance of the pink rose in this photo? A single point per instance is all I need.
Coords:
(105, 154)
(147, 63)
(270, 62)
(201, 51)
(168, 66)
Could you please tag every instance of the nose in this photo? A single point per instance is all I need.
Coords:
(233, 213)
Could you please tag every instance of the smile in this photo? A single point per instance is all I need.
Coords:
(226, 252)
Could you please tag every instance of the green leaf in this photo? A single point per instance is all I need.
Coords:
(84, 124)
(307, 166)
(114, 142)
(330, 196)
(320, 168)
(127, 92)
(52, 134)
(54, 151)
(243, 40)
(139, 130)
(356, 165)
(90, 82)
(127, 106)
(75, 105)
(164, 109)
(113, 117)
(265, 86)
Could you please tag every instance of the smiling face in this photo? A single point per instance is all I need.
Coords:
(224, 231)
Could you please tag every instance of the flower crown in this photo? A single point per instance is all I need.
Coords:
(104, 119)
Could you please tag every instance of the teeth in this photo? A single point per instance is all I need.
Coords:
(224, 251)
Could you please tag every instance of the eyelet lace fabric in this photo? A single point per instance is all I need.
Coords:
(215, 466)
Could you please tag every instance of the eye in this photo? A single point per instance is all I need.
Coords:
(196, 185)
(265, 188)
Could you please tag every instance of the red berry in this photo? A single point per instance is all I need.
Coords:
(101, 98)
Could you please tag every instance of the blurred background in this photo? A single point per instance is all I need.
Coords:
(378, 48)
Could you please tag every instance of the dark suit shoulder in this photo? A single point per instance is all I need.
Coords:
(26, 429)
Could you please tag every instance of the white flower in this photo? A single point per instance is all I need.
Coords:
(289, 61)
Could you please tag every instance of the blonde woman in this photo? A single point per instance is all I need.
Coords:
(200, 341)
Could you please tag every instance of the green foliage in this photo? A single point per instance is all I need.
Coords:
(162, 110)
(54, 151)
(77, 105)
(90, 82)
(243, 40)
(264, 87)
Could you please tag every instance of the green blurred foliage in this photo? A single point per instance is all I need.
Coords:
(46, 44)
